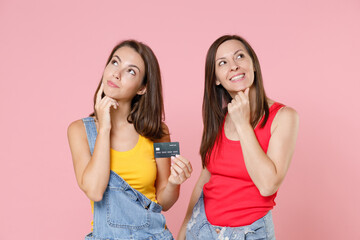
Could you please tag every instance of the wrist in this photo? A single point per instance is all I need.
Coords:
(243, 128)
(172, 186)
(104, 130)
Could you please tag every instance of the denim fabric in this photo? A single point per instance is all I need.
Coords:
(124, 213)
(199, 228)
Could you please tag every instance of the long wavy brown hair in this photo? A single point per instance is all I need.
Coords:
(216, 98)
(147, 110)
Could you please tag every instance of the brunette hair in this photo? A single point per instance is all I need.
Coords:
(147, 110)
(216, 98)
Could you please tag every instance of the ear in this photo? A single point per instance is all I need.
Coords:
(141, 91)
(217, 82)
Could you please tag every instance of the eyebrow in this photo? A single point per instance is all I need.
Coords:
(239, 50)
(131, 65)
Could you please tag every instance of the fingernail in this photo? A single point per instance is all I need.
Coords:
(177, 155)
(172, 157)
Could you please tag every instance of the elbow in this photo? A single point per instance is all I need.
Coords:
(267, 193)
(269, 187)
(167, 205)
(94, 195)
(268, 190)
(165, 208)
(166, 201)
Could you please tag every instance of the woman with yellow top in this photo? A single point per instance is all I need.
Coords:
(112, 150)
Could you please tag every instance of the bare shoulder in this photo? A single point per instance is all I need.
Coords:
(286, 117)
(287, 113)
(76, 128)
(78, 139)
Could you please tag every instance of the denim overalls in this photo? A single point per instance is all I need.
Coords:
(123, 212)
(199, 228)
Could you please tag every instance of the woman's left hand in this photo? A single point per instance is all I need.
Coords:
(181, 170)
(239, 108)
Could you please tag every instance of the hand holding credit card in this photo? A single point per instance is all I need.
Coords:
(166, 149)
(180, 167)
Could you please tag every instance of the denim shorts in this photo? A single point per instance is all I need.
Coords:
(199, 228)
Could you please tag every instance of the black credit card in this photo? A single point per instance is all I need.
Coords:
(166, 149)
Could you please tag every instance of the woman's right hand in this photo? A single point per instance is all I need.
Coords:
(102, 108)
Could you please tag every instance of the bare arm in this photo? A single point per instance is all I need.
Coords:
(204, 178)
(92, 172)
(267, 170)
(169, 177)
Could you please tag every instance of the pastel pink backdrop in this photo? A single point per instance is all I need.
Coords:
(52, 56)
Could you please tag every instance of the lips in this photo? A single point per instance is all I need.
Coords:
(240, 76)
(112, 84)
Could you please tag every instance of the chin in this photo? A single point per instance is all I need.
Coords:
(109, 92)
(240, 89)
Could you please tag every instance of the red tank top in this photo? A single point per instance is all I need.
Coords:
(230, 197)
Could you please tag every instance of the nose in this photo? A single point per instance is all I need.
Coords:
(234, 66)
(116, 74)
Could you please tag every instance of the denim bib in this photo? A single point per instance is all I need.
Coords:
(124, 213)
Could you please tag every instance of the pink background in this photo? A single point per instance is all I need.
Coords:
(52, 55)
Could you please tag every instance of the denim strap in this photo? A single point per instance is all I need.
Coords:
(91, 132)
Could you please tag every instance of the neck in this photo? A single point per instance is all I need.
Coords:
(252, 98)
(119, 115)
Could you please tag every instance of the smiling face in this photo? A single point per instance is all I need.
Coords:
(124, 74)
(234, 67)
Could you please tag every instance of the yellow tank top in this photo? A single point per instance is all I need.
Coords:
(137, 167)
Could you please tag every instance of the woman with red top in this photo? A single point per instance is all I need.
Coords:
(247, 145)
